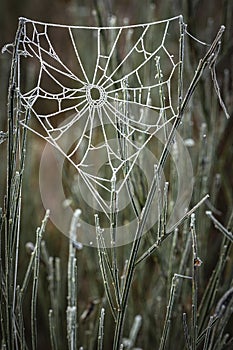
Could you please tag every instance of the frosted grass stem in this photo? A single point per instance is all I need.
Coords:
(223, 313)
(52, 330)
(186, 332)
(203, 333)
(134, 331)
(167, 321)
(102, 261)
(159, 75)
(101, 330)
(212, 287)
(71, 312)
(27, 275)
(195, 266)
(113, 233)
(124, 274)
(71, 317)
(123, 150)
(207, 333)
(19, 311)
(172, 257)
(164, 211)
(158, 243)
(219, 226)
(36, 267)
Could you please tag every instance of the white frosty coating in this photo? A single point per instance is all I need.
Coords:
(121, 98)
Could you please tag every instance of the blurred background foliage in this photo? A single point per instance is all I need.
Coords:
(211, 156)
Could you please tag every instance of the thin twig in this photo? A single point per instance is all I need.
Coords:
(133, 332)
(186, 332)
(195, 266)
(167, 321)
(113, 233)
(218, 225)
(101, 330)
(158, 243)
(52, 328)
(71, 312)
(207, 333)
(39, 234)
(209, 296)
(101, 253)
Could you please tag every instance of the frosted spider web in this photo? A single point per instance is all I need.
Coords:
(125, 90)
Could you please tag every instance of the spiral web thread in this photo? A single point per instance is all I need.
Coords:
(127, 91)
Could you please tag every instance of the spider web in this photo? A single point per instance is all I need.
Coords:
(107, 105)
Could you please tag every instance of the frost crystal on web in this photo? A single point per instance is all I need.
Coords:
(107, 105)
